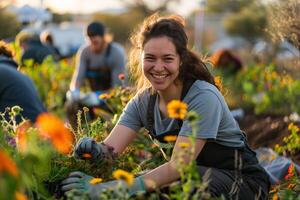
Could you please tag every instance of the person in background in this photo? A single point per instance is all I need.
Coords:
(226, 61)
(99, 62)
(16, 89)
(47, 40)
(166, 70)
(32, 48)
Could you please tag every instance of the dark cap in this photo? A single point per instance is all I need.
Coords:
(95, 28)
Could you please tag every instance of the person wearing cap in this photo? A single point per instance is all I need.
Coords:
(17, 89)
(32, 48)
(99, 62)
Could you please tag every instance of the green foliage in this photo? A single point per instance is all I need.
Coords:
(291, 142)
(9, 26)
(250, 22)
(52, 81)
(227, 5)
(264, 89)
(247, 19)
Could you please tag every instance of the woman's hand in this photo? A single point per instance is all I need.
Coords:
(88, 148)
(80, 184)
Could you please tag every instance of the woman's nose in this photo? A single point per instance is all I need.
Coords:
(159, 65)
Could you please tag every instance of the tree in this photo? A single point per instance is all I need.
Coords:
(121, 25)
(9, 25)
(58, 18)
(284, 21)
(146, 8)
(250, 22)
(218, 6)
(245, 18)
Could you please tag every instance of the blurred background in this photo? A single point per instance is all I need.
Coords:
(255, 30)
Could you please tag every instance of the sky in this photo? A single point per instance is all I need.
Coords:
(88, 6)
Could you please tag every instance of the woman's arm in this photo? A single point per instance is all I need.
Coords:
(120, 137)
(167, 172)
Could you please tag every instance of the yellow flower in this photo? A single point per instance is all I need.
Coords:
(120, 174)
(177, 109)
(218, 82)
(184, 145)
(291, 186)
(170, 138)
(293, 127)
(51, 127)
(104, 96)
(95, 181)
(20, 196)
(7, 164)
(274, 75)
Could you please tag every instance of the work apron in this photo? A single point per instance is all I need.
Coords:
(241, 160)
(100, 78)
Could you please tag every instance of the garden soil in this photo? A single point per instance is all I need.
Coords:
(267, 131)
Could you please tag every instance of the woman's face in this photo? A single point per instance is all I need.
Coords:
(160, 63)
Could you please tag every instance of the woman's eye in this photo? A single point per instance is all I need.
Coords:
(149, 59)
(168, 60)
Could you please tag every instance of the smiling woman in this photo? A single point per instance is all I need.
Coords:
(170, 77)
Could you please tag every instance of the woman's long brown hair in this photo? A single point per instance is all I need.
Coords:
(191, 67)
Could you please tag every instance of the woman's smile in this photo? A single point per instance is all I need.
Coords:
(161, 63)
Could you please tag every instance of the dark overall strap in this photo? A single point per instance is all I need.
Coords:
(150, 113)
(100, 78)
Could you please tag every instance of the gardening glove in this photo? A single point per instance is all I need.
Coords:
(91, 99)
(88, 148)
(73, 95)
(80, 184)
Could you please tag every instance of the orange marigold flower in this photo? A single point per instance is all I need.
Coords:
(51, 127)
(291, 169)
(21, 135)
(87, 155)
(121, 76)
(177, 109)
(20, 196)
(7, 164)
(95, 181)
(170, 138)
(120, 174)
(275, 197)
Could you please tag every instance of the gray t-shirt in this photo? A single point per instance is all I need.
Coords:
(115, 60)
(216, 121)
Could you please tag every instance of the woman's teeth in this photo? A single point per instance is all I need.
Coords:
(159, 75)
